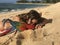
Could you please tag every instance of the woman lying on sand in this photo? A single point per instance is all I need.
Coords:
(21, 25)
(18, 24)
(30, 20)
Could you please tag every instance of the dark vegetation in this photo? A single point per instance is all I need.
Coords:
(42, 1)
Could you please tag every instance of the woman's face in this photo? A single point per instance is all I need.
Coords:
(33, 21)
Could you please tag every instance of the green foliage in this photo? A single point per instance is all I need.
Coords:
(36, 1)
(22, 1)
(52, 1)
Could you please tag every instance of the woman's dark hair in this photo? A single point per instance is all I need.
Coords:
(34, 13)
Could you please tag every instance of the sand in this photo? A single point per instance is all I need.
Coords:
(48, 35)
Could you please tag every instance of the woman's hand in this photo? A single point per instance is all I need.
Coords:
(38, 26)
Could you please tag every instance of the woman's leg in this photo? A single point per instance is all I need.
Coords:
(1, 25)
(10, 21)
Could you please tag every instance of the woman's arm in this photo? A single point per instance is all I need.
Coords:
(40, 25)
(6, 20)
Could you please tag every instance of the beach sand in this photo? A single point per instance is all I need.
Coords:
(48, 35)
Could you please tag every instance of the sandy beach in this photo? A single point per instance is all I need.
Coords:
(48, 35)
